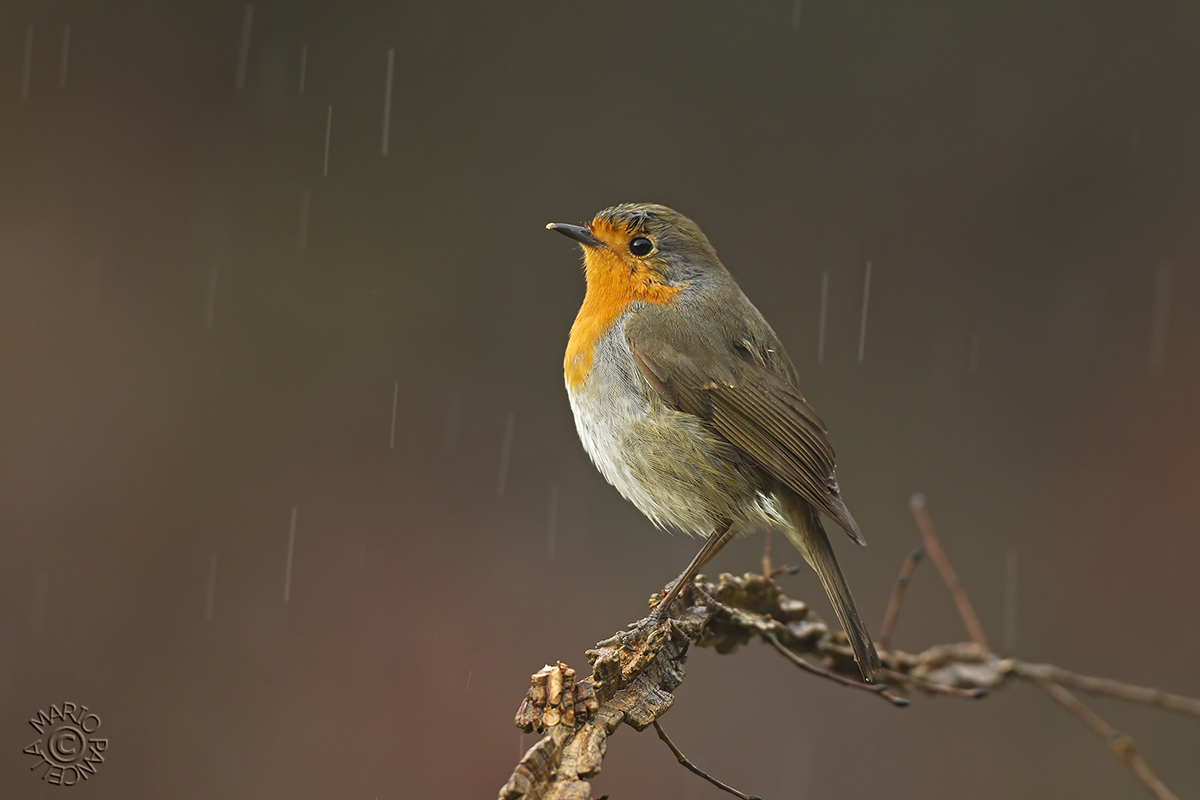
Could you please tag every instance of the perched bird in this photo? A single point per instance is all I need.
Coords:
(687, 403)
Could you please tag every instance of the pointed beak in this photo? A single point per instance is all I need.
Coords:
(579, 234)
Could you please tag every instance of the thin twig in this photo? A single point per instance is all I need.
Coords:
(948, 575)
(933, 688)
(893, 608)
(1107, 687)
(696, 770)
(1120, 746)
(879, 689)
(636, 672)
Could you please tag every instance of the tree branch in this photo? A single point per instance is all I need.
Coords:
(682, 759)
(636, 671)
(934, 548)
(893, 609)
(1119, 746)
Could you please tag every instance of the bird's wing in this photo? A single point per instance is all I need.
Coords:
(756, 409)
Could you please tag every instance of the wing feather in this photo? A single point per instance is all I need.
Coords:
(756, 409)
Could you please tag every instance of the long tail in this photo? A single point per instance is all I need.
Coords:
(810, 539)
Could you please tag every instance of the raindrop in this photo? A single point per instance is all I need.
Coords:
(1158, 321)
(305, 202)
(552, 523)
(66, 49)
(25, 73)
(41, 603)
(210, 307)
(973, 358)
(395, 400)
(505, 452)
(797, 7)
(824, 303)
(1010, 601)
(244, 48)
(328, 128)
(452, 410)
(303, 65)
(212, 587)
(862, 331)
(387, 100)
(287, 580)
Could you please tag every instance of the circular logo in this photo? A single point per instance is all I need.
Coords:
(68, 749)
(66, 745)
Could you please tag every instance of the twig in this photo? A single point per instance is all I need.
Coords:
(934, 688)
(893, 608)
(636, 672)
(1119, 745)
(879, 689)
(697, 771)
(1107, 687)
(948, 575)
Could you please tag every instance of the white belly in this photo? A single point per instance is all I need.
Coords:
(668, 464)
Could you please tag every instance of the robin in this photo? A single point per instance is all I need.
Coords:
(687, 403)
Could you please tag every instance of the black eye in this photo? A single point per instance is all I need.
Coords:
(641, 246)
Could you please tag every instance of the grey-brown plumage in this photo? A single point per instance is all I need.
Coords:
(688, 404)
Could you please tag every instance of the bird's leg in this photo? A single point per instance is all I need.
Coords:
(767, 552)
(712, 545)
(772, 574)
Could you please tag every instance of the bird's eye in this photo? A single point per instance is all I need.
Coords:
(641, 246)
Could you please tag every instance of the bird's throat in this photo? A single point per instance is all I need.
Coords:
(612, 286)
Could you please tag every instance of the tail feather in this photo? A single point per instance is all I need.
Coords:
(810, 539)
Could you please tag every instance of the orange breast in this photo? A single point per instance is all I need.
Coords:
(611, 288)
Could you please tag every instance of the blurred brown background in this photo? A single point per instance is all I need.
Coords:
(182, 366)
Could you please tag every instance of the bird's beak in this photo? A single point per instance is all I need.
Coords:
(579, 234)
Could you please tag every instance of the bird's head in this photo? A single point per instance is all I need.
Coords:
(643, 244)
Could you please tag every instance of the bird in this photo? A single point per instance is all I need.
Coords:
(687, 402)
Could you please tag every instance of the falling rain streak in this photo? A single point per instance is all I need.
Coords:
(212, 587)
(797, 8)
(862, 331)
(387, 100)
(395, 400)
(287, 578)
(973, 357)
(66, 49)
(305, 202)
(210, 307)
(328, 128)
(552, 523)
(510, 425)
(1158, 322)
(25, 72)
(453, 402)
(468, 681)
(244, 48)
(41, 603)
(824, 304)
(303, 65)
(1010, 601)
